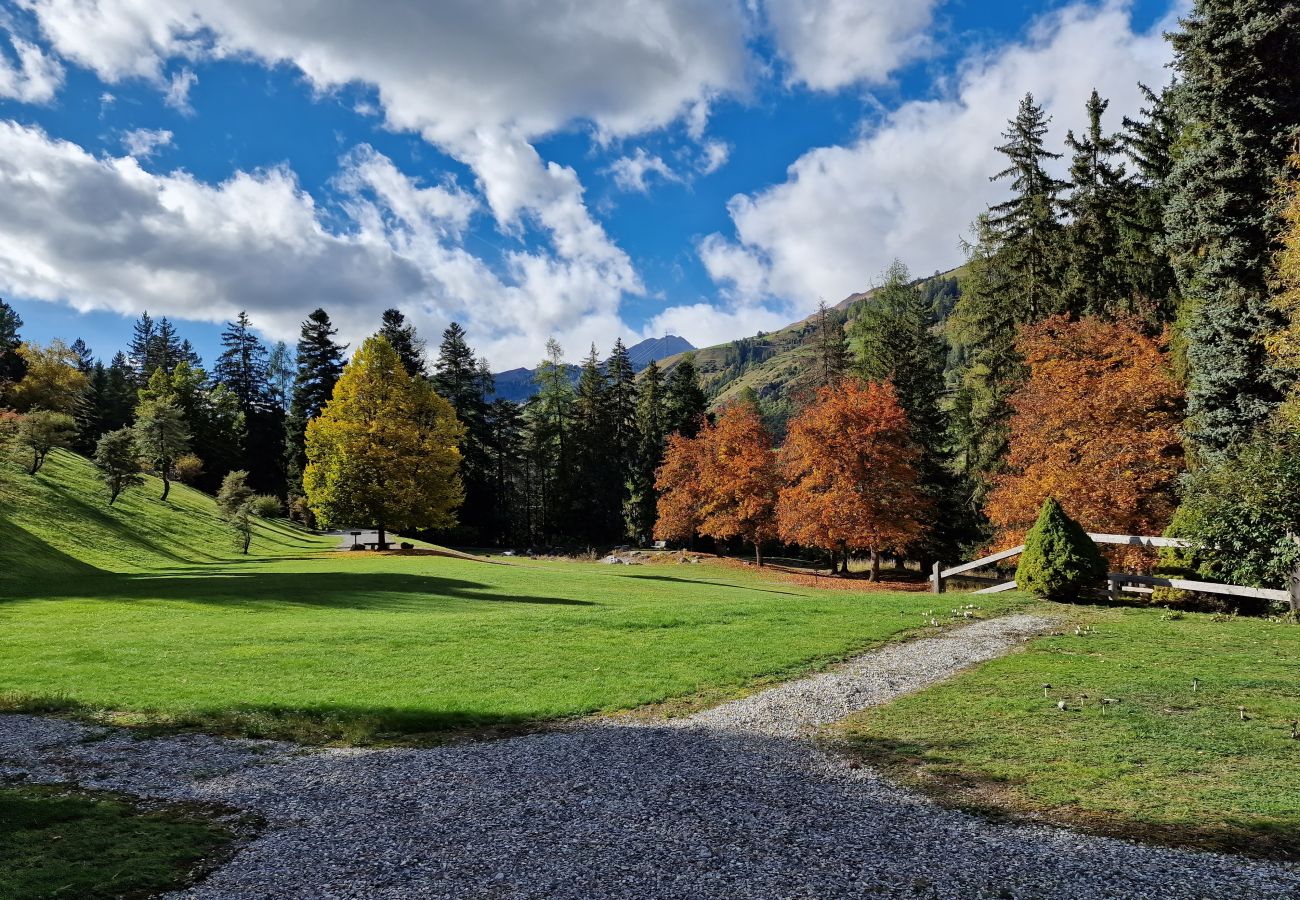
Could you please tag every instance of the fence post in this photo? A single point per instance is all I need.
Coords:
(1294, 589)
(936, 580)
(1116, 590)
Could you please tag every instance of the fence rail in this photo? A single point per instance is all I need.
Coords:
(1118, 582)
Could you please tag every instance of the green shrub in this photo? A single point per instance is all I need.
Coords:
(1060, 561)
(266, 506)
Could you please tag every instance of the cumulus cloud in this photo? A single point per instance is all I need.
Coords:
(35, 78)
(145, 142)
(832, 43)
(910, 187)
(713, 156)
(102, 233)
(630, 173)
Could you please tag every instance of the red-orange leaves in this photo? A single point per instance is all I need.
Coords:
(1095, 426)
(850, 470)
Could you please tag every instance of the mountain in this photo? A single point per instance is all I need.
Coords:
(517, 384)
(773, 364)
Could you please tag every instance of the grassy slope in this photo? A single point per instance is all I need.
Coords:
(55, 843)
(362, 647)
(1164, 763)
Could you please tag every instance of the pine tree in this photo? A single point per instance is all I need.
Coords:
(1027, 227)
(684, 399)
(1239, 101)
(279, 375)
(651, 430)
(118, 462)
(166, 350)
(320, 362)
(118, 405)
(143, 333)
(404, 340)
(243, 369)
(85, 358)
(1094, 277)
(12, 367)
(161, 437)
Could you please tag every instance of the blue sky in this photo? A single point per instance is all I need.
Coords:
(637, 168)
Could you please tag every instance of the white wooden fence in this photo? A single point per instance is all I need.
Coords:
(1119, 582)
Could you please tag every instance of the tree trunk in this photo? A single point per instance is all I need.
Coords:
(36, 463)
(380, 545)
(758, 555)
(167, 485)
(248, 538)
(834, 560)
(875, 566)
(844, 561)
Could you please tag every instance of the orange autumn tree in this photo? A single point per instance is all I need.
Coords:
(722, 483)
(1095, 425)
(850, 470)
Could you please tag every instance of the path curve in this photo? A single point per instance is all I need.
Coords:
(731, 802)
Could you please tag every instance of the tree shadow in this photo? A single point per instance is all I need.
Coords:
(26, 557)
(749, 589)
(340, 590)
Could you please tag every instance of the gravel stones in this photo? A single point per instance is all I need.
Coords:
(731, 802)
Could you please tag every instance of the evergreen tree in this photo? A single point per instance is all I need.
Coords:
(550, 417)
(117, 409)
(143, 334)
(165, 350)
(404, 340)
(118, 462)
(651, 429)
(685, 402)
(595, 483)
(1094, 277)
(466, 384)
(85, 360)
(1148, 142)
(622, 412)
(831, 347)
(161, 437)
(893, 341)
(320, 362)
(279, 375)
(243, 367)
(12, 366)
(504, 449)
(1238, 98)
(1027, 227)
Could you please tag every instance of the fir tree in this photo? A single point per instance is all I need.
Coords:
(622, 408)
(1094, 283)
(242, 365)
(1238, 98)
(684, 399)
(404, 340)
(320, 362)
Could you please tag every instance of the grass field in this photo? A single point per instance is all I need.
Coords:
(322, 647)
(1165, 763)
(59, 843)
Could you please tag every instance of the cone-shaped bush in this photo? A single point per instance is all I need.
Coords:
(1060, 561)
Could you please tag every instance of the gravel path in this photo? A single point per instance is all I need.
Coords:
(731, 802)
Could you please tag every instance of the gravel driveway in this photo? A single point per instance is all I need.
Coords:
(731, 802)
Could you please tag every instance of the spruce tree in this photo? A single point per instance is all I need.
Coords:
(279, 375)
(651, 428)
(404, 340)
(320, 362)
(117, 409)
(504, 446)
(1238, 97)
(685, 402)
(85, 358)
(622, 408)
(143, 333)
(596, 480)
(12, 366)
(831, 346)
(1094, 276)
(550, 416)
(1027, 227)
(243, 368)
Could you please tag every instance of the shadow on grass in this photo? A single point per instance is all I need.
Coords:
(389, 591)
(939, 771)
(749, 589)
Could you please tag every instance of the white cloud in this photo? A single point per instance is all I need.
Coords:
(102, 233)
(713, 157)
(145, 142)
(625, 67)
(911, 186)
(35, 79)
(630, 172)
(178, 91)
(832, 43)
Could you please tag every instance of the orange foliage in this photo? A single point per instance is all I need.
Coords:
(723, 483)
(1096, 426)
(850, 469)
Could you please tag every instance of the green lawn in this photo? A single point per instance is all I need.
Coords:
(324, 647)
(57, 843)
(1165, 763)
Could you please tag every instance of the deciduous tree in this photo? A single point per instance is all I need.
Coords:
(737, 471)
(53, 380)
(1096, 426)
(850, 471)
(43, 430)
(385, 450)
